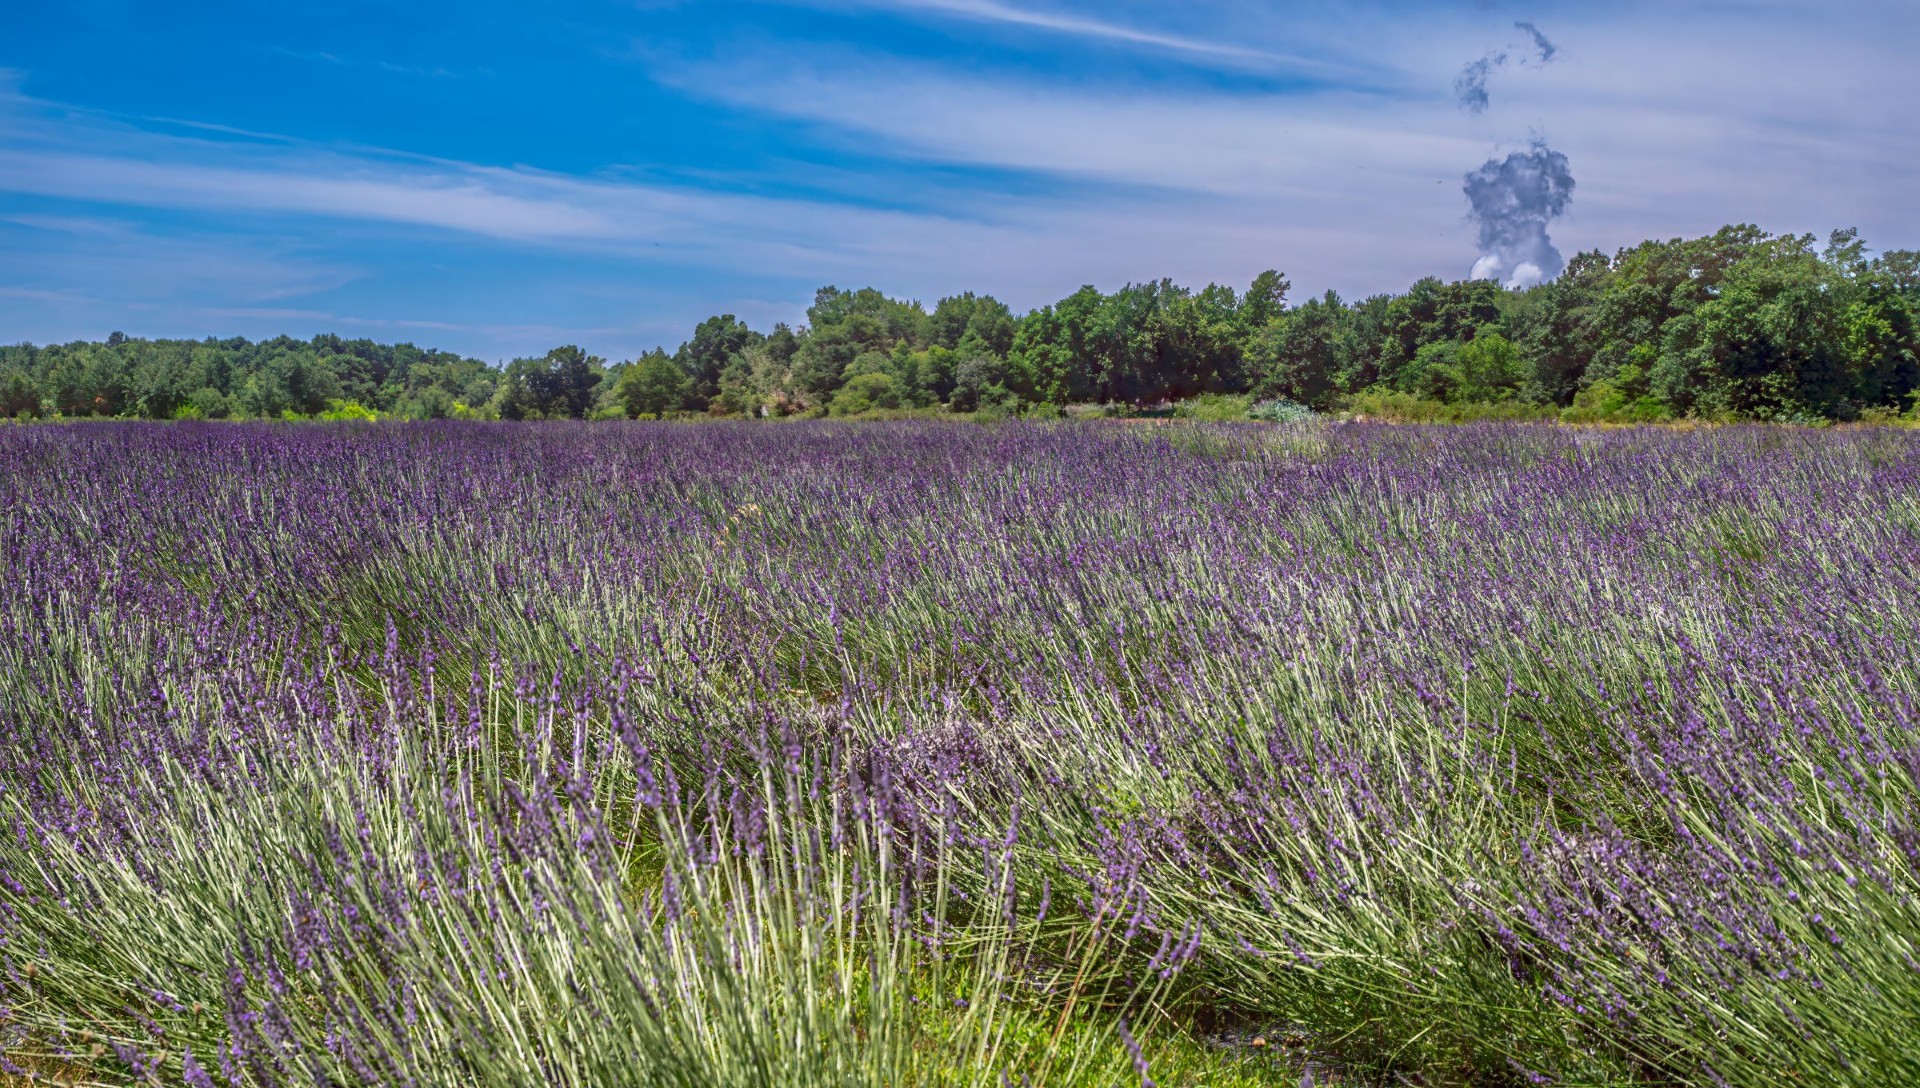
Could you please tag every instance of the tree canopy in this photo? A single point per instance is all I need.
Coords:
(1740, 324)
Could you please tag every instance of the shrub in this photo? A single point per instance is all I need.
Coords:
(1396, 407)
(996, 407)
(864, 393)
(1604, 402)
(1281, 410)
(341, 410)
(1090, 411)
(1214, 408)
(1044, 410)
(429, 403)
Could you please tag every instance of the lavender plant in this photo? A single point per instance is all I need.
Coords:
(940, 754)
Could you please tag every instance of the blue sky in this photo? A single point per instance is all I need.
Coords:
(499, 178)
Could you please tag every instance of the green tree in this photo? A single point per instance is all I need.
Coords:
(1265, 300)
(207, 403)
(1739, 323)
(1040, 368)
(1297, 355)
(1768, 343)
(290, 379)
(972, 325)
(821, 362)
(737, 396)
(1431, 312)
(1652, 285)
(19, 396)
(715, 342)
(566, 383)
(1555, 329)
(653, 386)
(1198, 342)
(1122, 344)
(520, 394)
(1487, 369)
(1881, 341)
(978, 380)
(892, 319)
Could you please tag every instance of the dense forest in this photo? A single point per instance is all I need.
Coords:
(1738, 325)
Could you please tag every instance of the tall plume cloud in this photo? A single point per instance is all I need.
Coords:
(1511, 201)
(1470, 86)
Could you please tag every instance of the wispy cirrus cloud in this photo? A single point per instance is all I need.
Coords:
(34, 294)
(323, 57)
(460, 201)
(1244, 144)
(528, 332)
(1097, 29)
(96, 258)
(68, 224)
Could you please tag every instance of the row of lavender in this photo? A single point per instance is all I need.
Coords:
(942, 754)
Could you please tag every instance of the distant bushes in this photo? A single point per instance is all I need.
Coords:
(1392, 406)
(340, 410)
(1234, 408)
(1214, 408)
(1604, 402)
(1280, 410)
(240, 379)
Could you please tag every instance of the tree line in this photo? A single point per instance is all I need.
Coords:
(1740, 324)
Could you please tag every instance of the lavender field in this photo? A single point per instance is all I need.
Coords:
(939, 754)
